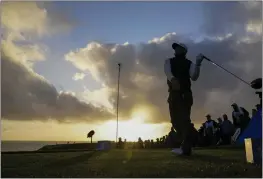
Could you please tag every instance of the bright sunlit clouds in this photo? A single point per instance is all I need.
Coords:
(135, 127)
(64, 65)
(52, 131)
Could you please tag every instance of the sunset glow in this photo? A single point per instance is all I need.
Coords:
(60, 69)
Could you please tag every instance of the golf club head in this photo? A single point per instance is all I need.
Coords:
(257, 83)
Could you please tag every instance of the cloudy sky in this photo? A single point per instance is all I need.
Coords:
(59, 65)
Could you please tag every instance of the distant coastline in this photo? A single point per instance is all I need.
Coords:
(13, 146)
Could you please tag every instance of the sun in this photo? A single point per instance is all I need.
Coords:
(134, 127)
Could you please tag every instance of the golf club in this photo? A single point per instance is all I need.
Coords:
(227, 71)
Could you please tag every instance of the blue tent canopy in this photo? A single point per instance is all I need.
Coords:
(254, 128)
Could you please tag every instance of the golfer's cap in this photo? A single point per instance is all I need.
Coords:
(179, 44)
(208, 115)
(234, 104)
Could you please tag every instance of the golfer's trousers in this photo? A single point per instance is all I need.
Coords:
(180, 104)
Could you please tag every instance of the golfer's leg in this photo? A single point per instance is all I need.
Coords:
(188, 102)
(186, 125)
(176, 112)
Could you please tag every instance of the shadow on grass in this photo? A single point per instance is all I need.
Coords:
(74, 160)
(207, 158)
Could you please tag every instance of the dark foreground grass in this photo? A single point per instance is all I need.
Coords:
(129, 163)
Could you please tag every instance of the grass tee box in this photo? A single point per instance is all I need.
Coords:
(130, 163)
(78, 146)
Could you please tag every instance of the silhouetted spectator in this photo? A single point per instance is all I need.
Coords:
(163, 141)
(219, 121)
(240, 117)
(254, 112)
(210, 130)
(147, 144)
(120, 143)
(203, 126)
(195, 135)
(125, 144)
(210, 124)
(201, 136)
(218, 132)
(258, 107)
(227, 129)
(140, 143)
(166, 141)
(157, 143)
(134, 145)
(152, 144)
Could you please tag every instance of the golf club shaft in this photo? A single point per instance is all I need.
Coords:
(226, 70)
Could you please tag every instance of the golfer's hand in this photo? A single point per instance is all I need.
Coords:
(199, 59)
(175, 84)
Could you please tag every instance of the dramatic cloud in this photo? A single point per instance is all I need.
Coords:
(99, 98)
(78, 76)
(31, 18)
(232, 38)
(24, 23)
(143, 82)
(26, 95)
(227, 17)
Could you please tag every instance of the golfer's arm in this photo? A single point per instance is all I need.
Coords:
(194, 71)
(167, 70)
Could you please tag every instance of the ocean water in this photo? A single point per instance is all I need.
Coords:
(8, 146)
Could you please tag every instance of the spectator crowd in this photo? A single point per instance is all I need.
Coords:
(211, 133)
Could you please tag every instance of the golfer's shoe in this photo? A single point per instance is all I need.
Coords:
(186, 148)
(178, 151)
(187, 151)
